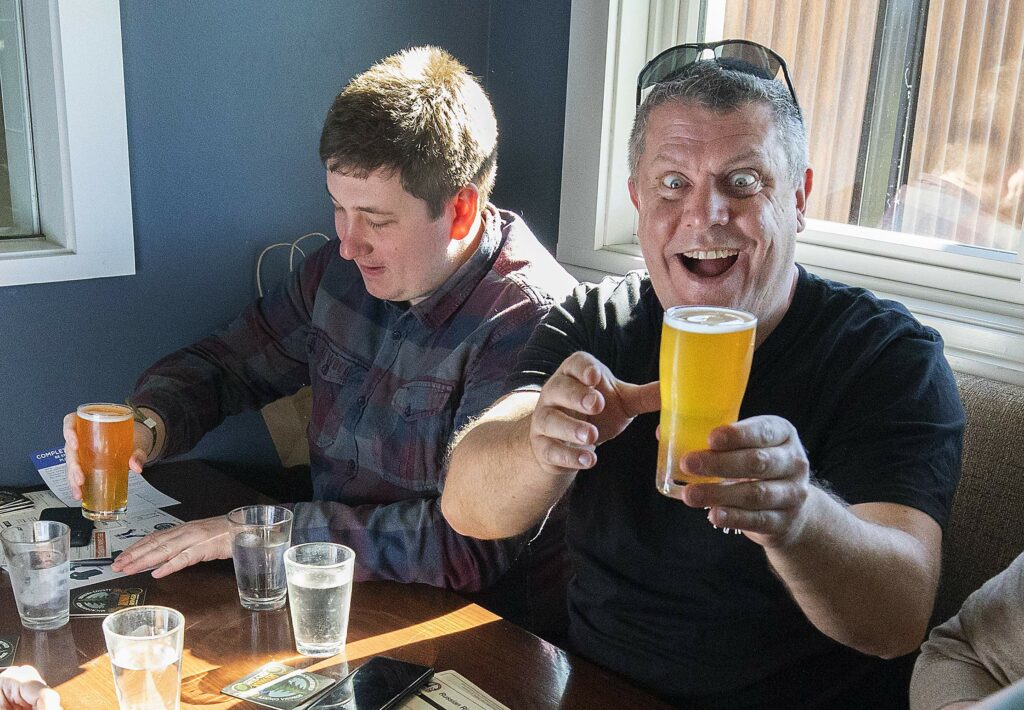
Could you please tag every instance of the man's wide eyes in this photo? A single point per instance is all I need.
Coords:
(672, 182)
(743, 179)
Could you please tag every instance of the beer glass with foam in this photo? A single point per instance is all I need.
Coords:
(704, 365)
(106, 435)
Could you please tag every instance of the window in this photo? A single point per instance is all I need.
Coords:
(18, 215)
(78, 129)
(916, 117)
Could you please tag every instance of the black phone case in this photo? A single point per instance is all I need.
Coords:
(81, 527)
(379, 684)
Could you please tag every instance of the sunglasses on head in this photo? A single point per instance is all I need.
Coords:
(736, 54)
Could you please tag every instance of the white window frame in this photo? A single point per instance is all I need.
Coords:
(80, 142)
(977, 304)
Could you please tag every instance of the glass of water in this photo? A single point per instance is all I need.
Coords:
(320, 592)
(145, 645)
(259, 536)
(39, 562)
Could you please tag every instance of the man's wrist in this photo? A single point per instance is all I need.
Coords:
(149, 423)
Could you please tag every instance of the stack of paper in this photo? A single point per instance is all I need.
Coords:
(91, 563)
(12, 502)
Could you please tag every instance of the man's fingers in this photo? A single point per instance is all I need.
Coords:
(753, 433)
(180, 561)
(48, 700)
(583, 367)
(764, 522)
(70, 434)
(137, 460)
(562, 455)
(567, 392)
(747, 495)
(772, 463)
(640, 399)
(557, 424)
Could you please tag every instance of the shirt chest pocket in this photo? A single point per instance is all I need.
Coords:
(418, 442)
(337, 377)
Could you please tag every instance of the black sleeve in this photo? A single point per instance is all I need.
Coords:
(899, 437)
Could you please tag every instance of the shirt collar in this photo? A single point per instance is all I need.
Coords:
(439, 306)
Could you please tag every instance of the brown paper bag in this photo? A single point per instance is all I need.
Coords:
(286, 420)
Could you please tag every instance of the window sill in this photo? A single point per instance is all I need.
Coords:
(982, 337)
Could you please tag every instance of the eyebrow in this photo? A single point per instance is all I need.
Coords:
(367, 210)
(751, 155)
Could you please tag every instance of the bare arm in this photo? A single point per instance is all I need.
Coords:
(511, 465)
(864, 575)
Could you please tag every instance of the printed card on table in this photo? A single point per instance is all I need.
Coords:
(52, 467)
(105, 600)
(8, 647)
(448, 689)
(279, 686)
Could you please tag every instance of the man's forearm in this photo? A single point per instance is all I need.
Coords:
(495, 487)
(406, 541)
(860, 576)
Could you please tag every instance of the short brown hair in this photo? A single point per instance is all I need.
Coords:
(418, 113)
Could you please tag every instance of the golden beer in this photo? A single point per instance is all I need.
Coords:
(106, 435)
(704, 365)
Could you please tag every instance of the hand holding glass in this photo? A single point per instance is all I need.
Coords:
(259, 536)
(145, 643)
(705, 361)
(320, 592)
(39, 564)
(106, 436)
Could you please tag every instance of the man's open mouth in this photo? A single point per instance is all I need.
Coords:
(709, 264)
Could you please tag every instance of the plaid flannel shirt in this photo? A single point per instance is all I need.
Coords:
(391, 384)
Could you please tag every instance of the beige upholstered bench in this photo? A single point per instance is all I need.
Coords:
(986, 530)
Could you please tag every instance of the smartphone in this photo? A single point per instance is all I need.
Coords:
(81, 527)
(379, 684)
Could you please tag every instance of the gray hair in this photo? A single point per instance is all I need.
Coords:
(714, 87)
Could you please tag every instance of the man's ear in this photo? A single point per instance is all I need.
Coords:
(802, 193)
(465, 205)
(632, 192)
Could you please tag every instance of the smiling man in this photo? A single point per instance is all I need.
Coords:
(842, 466)
(405, 327)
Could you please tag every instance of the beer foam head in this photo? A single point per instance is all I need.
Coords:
(709, 319)
(102, 412)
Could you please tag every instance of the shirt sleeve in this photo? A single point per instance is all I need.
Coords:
(898, 434)
(409, 540)
(978, 651)
(259, 357)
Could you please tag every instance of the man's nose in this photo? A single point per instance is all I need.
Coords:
(352, 241)
(706, 206)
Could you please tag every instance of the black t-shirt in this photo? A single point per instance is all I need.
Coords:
(697, 616)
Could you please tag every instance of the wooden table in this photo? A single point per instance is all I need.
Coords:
(223, 641)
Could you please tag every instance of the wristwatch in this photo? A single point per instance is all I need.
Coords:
(145, 421)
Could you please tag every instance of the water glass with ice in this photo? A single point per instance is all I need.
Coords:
(39, 563)
(259, 536)
(144, 643)
(320, 593)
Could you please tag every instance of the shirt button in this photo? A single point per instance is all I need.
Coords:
(351, 465)
(396, 335)
(361, 402)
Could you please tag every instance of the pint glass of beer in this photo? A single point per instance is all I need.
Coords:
(704, 365)
(106, 435)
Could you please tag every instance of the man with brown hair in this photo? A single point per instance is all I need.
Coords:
(405, 327)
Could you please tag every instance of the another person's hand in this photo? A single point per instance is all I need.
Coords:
(171, 550)
(21, 688)
(582, 405)
(767, 502)
(76, 478)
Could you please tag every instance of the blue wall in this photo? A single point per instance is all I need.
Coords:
(225, 101)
